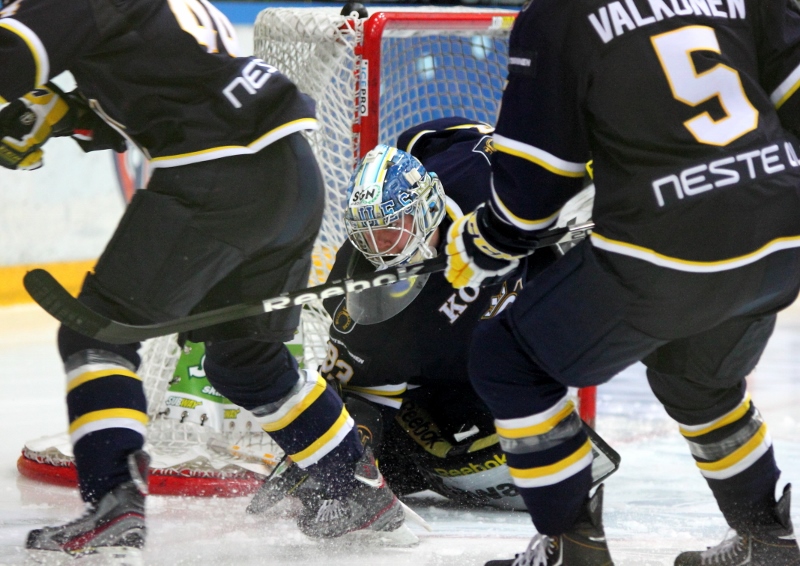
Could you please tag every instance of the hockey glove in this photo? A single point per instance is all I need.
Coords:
(472, 261)
(28, 122)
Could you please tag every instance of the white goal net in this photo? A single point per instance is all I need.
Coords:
(371, 78)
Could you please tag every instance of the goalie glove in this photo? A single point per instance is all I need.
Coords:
(28, 122)
(472, 260)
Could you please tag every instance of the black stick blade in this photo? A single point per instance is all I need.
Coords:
(57, 301)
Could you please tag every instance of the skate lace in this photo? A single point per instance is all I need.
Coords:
(725, 550)
(331, 510)
(536, 554)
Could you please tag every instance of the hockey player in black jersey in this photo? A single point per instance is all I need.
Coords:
(690, 113)
(230, 214)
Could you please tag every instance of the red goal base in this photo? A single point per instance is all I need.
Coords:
(191, 483)
(161, 481)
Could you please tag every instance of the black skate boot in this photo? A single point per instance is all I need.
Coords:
(371, 508)
(286, 480)
(765, 545)
(113, 528)
(583, 545)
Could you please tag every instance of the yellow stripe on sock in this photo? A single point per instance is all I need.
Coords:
(537, 429)
(297, 410)
(92, 375)
(738, 455)
(95, 416)
(733, 416)
(552, 469)
(324, 439)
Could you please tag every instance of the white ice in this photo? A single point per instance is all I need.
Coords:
(656, 505)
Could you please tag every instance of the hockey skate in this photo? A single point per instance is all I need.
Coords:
(583, 545)
(370, 513)
(286, 480)
(110, 532)
(768, 545)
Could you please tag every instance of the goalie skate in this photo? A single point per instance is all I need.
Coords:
(371, 513)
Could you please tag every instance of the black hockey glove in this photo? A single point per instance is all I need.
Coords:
(28, 122)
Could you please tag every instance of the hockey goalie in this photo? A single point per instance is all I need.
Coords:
(398, 354)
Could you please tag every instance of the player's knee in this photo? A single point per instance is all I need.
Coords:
(71, 342)
(250, 373)
(494, 356)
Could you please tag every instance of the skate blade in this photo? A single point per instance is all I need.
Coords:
(401, 537)
(412, 516)
(105, 556)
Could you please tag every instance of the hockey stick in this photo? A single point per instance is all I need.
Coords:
(57, 301)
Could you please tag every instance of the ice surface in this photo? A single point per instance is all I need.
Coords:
(657, 504)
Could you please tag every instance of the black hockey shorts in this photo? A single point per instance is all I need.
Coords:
(217, 233)
(593, 314)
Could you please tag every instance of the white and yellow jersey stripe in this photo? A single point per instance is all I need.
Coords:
(662, 260)
(253, 147)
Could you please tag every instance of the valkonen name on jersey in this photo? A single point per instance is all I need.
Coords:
(615, 18)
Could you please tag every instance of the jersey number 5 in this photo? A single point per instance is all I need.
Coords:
(674, 49)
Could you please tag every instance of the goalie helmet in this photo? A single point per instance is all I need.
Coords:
(393, 207)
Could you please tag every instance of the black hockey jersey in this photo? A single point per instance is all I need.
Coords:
(164, 73)
(428, 341)
(688, 110)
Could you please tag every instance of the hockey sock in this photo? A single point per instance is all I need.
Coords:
(549, 458)
(734, 453)
(107, 415)
(313, 427)
(548, 453)
(299, 410)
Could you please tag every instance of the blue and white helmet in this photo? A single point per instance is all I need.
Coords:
(393, 207)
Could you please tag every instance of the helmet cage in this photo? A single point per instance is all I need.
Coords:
(394, 205)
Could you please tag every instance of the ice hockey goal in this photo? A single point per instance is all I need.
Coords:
(372, 78)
